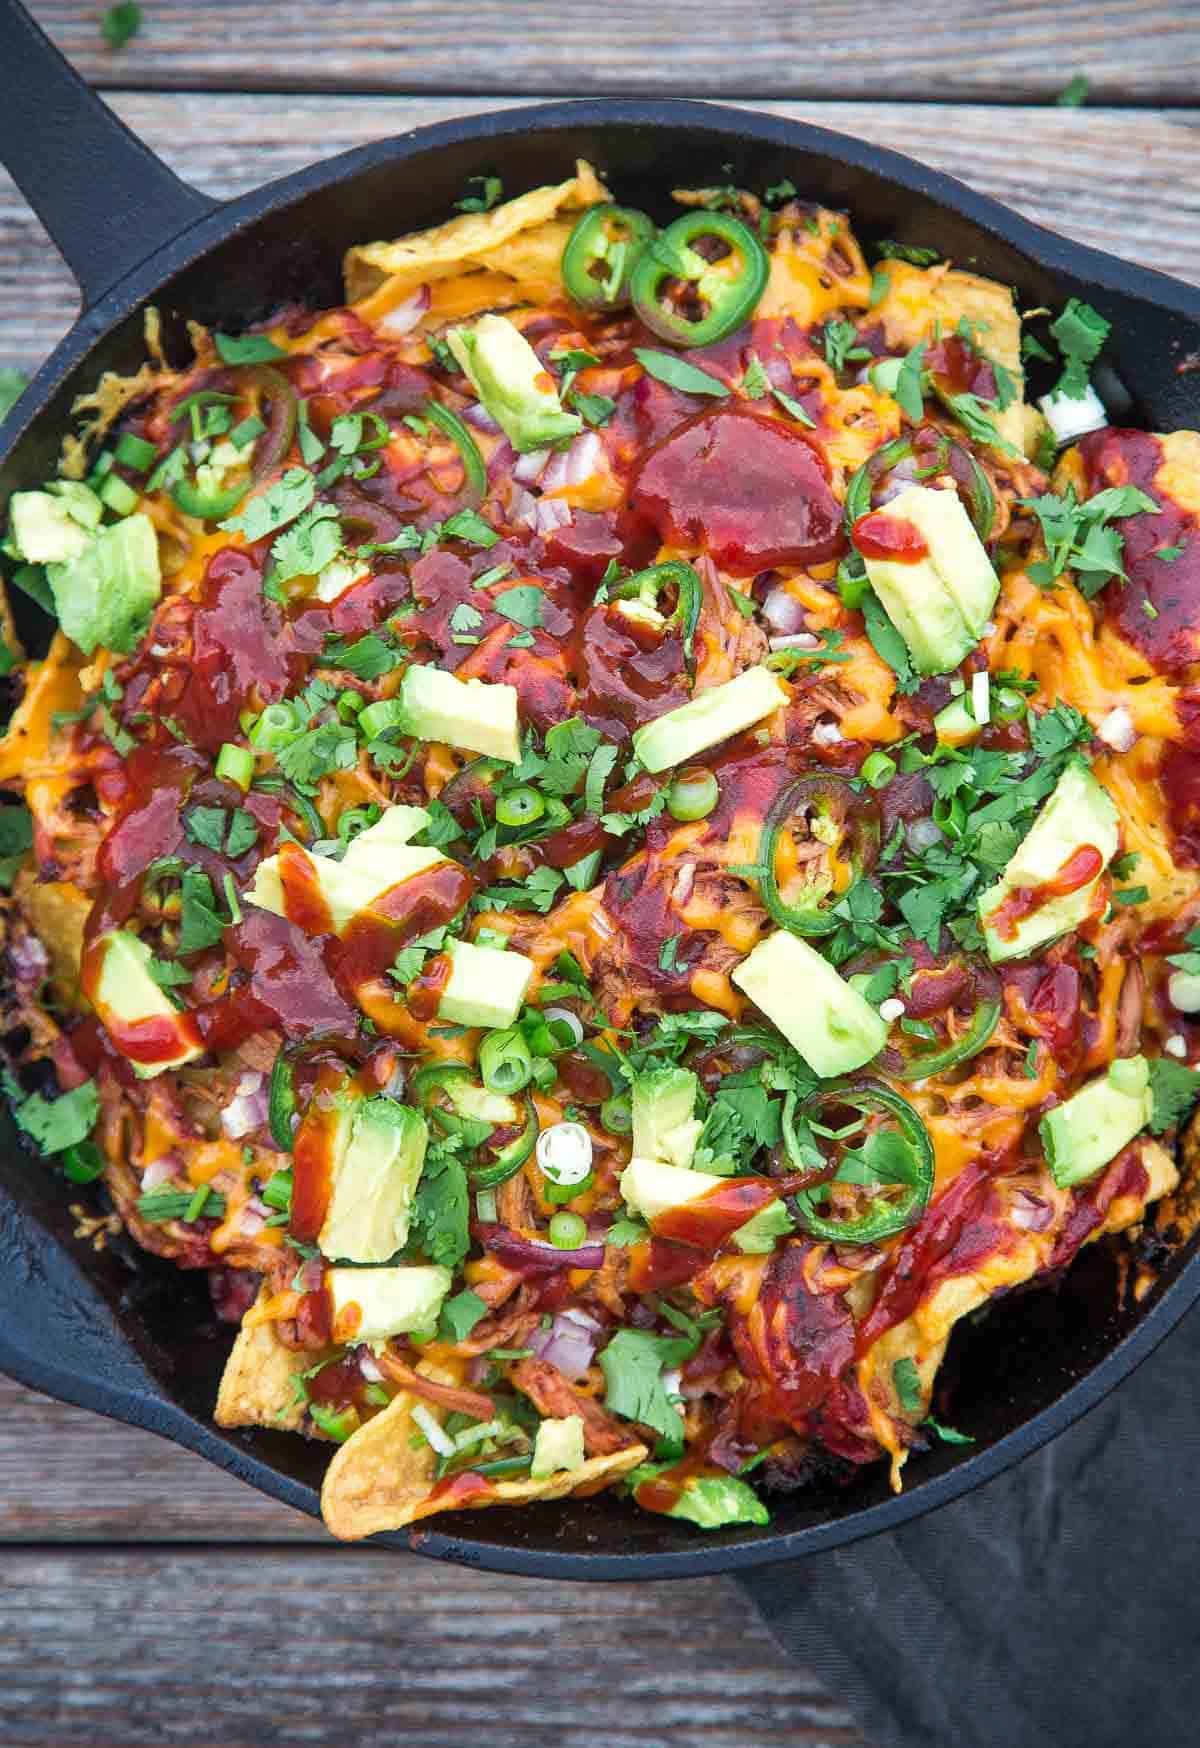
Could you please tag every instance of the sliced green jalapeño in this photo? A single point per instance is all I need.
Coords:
(601, 253)
(693, 296)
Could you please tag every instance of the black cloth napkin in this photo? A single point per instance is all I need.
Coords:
(1056, 1607)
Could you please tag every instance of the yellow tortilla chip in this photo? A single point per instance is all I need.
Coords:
(256, 1385)
(57, 911)
(381, 1478)
(381, 275)
(920, 299)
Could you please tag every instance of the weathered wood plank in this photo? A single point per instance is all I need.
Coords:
(1147, 50)
(204, 1646)
(70, 1476)
(1120, 180)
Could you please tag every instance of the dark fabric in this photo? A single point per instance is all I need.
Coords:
(1057, 1607)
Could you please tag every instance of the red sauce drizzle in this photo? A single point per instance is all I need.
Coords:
(707, 1222)
(1078, 870)
(371, 939)
(878, 535)
(312, 1159)
(752, 490)
(303, 899)
(426, 989)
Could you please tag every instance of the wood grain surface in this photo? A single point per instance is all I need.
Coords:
(205, 1646)
(1145, 50)
(1124, 181)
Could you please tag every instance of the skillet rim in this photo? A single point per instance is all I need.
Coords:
(154, 1410)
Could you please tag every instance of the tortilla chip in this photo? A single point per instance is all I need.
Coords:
(257, 1383)
(920, 298)
(381, 1478)
(57, 911)
(386, 273)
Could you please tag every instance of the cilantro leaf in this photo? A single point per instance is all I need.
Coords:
(200, 924)
(947, 1434)
(633, 1365)
(441, 1207)
(523, 604)
(907, 1382)
(677, 373)
(1056, 731)
(907, 392)
(311, 543)
(1174, 1088)
(13, 384)
(1080, 333)
(62, 1122)
(910, 252)
(367, 659)
(467, 525)
(460, 1315)
(243, 832)
(332, 746)
(887, 642)
(246, 349)
(839, 339)
(206, 826)
(442, 829)
(284, 500)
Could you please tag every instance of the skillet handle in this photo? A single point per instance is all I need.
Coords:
(104, 197)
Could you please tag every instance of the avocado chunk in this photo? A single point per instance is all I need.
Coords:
(1079, 812)
(832, 1026)
(126, 995)
(558, 1445)
(939, 603)
(513, 383)
(955, 726)
(105, 595)
(650, 1187)
(664, 1126)
(52, 528)
(487, 985)
(473, 714)
(375, 1173)
(373, 1304)
(1083, 1134)
(378, 859)
(709, 718)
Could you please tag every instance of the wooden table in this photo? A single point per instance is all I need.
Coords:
(132, 1611)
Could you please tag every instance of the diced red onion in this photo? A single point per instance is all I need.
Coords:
(826, 734)
(527, 469)
(404, 318)
(570, 467)
(478, 415)
(684, 882)
(247, 1109)
(796, 640)
(310, 1276)
(922, 834)
(1117, 730)
(368, 1367)
(161, 1171)
(899, 479)
(783, 613)
(549, 514)
(1031, 1213)
(28, 958)
(565, 1345)
(528, 1253)
(500, 467)
(250, 1221)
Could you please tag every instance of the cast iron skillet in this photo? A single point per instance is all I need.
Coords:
(124, 1334)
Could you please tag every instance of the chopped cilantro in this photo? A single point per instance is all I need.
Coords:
(907, 1382)
(460, 1315)
(676, 372)
(839, 338)
(633, 1365)
(947, 1434)
(332, 746)
(491, 193)
(523, 604)
(284, 500)
(1080, 333)
(1174, 1088)
(246, 349)
(755, 381)
(57, 1123)
(311, 543)
(910, 252)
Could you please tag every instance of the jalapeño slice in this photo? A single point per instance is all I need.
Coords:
(930, 452)
(846, 822)
(714, 269)
(894, 1178)
(646, 586)
(601, 253)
